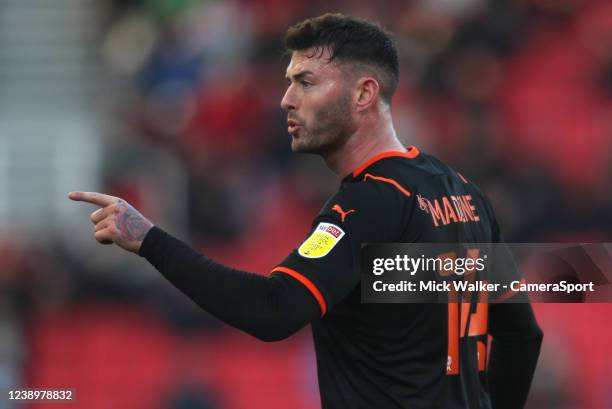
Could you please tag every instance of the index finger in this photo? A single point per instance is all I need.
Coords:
(96, 198)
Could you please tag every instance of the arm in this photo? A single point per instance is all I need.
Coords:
(269, 308)
(514, 353)
(517, 338)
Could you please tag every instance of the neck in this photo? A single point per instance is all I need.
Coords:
(367, 141)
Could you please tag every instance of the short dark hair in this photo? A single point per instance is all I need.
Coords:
(351, 40)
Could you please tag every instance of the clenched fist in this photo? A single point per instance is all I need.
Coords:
(116, 221)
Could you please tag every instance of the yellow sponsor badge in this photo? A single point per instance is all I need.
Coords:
(321, 241)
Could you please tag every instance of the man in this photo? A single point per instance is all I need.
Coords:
(341, 77)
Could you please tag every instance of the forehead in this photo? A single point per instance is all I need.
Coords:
(315, 60)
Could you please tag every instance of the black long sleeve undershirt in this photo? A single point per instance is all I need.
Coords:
(514, 353)
(269, 308)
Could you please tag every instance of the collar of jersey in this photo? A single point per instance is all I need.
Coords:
(411, 153)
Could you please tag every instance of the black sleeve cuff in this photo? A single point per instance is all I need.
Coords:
(152, 242)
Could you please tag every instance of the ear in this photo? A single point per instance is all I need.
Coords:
(367, 92)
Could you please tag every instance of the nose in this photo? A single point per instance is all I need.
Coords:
(288, 102)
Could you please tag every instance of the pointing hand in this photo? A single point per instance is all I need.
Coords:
(116, 221)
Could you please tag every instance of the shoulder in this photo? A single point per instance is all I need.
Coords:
(372, 192)
(371, 209)
(407, 174)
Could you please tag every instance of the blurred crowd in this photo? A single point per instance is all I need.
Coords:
(517, 94)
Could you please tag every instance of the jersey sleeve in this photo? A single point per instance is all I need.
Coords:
(327, 262)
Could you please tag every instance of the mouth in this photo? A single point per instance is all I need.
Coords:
(292, 127)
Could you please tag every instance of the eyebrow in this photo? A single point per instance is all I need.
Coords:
(299, 75)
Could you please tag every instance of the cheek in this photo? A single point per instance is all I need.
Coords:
(331, 91)
(322, 100)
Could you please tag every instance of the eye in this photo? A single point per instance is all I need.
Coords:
(306, 84)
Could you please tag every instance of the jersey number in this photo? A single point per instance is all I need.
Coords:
(458, 317)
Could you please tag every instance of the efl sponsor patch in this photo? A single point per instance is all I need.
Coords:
(321, 241)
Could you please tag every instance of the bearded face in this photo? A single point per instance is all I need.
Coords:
(317, 102)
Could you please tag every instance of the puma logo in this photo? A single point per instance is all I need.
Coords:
(342, 213)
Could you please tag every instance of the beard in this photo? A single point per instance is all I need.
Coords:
(331, 126)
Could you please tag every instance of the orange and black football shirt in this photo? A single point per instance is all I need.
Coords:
(394, 355)
(376, 355)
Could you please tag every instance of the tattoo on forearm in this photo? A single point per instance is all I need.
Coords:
(132, 225)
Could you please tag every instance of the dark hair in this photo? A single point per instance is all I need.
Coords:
(350, 40)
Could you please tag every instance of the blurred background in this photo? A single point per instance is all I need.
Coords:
(174, 106)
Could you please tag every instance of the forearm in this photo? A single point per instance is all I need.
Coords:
(514, 354)
(269, 308)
